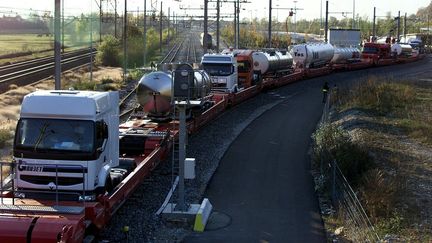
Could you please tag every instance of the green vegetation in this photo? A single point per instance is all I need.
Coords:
(382, 138)
(334, 143)
(5, 136)
(111, 52)
(407, 106)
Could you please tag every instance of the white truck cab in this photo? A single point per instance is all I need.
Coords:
(67, 141)
(222, 69)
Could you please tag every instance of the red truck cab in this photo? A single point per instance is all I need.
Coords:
(245, 68)
(376, 51)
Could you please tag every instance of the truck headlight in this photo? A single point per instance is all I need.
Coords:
(87, 198)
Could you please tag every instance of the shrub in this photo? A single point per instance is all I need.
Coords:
(108, 52)
(332, 142)
(5, 136)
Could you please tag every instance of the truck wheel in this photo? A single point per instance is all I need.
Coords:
(235, 89)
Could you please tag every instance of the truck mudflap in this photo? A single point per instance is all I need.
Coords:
(41, 228)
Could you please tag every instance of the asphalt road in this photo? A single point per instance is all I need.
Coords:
(263, 184)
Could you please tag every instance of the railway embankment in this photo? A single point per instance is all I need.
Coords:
(373, 162)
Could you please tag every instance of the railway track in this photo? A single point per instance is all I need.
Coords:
(184, 50)
(31, 71)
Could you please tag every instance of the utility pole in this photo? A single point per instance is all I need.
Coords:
(353, 23)
(295, 17)
(125, 41)
(217, 25)
(100, 21)
(405, 26)
(373, 25)
(235, 24)
(205, 26)
(326, 23)
(145, 33)
(398, 26)
(115, 18)
(91, 45)
(270, 24)
(62, 45)
(168, 38)
(238, 24)
(57, 51)
(428, 31)
(160, 29)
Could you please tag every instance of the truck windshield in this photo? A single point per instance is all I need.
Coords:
(55, 135)
(368, 49)
(218, 69)
(243, 66)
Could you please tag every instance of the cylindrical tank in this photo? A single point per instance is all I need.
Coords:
(270, 62)
(345, 54)
(401, 49)
(312, 54)
(155, 91)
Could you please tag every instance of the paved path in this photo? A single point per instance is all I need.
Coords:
(263, 182)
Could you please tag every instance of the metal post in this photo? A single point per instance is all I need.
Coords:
(115, 18)
(182, 156)
(160, 29)
(238, 23)
(100, 21)
(217, 25)
(270, 24)
(373, 25)
(334, 181)
(145, 33)
(204, 41)
(353, 23)
(62, 6)
(235, 24)
(321, 20)
(405, 26)
(125, 41)
(326, 23)
(91, 46)
(57, 51)
(168, 38)
(428, 31)
(398, 26)
(295, 17)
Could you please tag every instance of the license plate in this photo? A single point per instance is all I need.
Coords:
(34, 168)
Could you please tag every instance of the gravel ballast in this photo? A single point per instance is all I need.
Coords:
(207, 146)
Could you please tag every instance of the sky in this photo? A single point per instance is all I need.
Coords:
(256, 8)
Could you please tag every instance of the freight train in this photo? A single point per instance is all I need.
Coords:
(74, 166)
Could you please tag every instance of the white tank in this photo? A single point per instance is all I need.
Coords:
(345, 54)
(271, 61)
(312, 54)
(401, 49)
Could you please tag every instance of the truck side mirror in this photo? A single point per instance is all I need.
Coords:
(102, 148)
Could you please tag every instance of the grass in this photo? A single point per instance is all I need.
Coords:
(18, 43)
(388, 126)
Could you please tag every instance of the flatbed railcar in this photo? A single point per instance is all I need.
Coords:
(26, 219)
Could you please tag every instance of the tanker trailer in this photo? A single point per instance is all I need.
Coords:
(156, 90)
(345, 55)
(266, 63)
(312, 55)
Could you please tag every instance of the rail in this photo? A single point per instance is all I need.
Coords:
(32, 71)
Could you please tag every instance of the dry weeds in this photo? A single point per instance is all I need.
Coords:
(394, 122)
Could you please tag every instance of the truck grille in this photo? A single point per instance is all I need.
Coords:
(45, 180)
